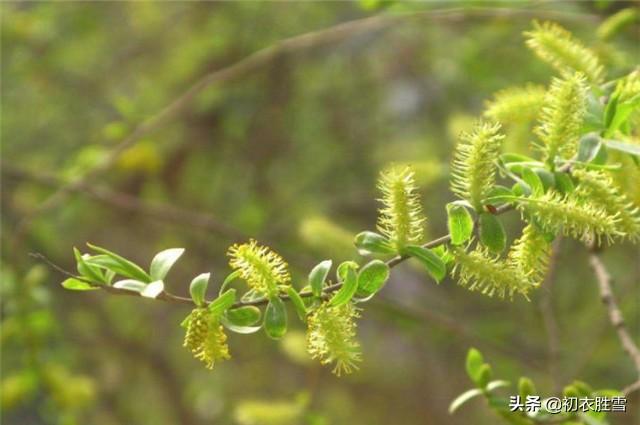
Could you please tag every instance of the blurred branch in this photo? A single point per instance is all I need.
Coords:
(257, 60)
(127, 202)
(548, 315)
(615, 315)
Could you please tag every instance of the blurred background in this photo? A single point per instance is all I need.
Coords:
(287, 151)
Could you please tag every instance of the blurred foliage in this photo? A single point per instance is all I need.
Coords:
(283, 153)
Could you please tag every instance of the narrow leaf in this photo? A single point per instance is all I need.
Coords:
(163, 261)
(223, 302)
(434, 264)
(198, 288)
(131, 285)
(533, 180)
(318, 276)
(348, 289)
(298, 303)
(460, 223)
(372, 243)
(123, 266)
(463, 398)
(77, 285)
(86, 269)
(473, 363)
(153, 289)
(623, 147)
(275, 318)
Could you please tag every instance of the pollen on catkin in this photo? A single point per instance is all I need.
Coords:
(572, 216)
(205, 337)
(599, 188)
(530, 254)
(331, 337)
(516, 104)
(263, 269)
(473, 167)
(478, 270)
(400, 219)
(561, 118)
(556, 46)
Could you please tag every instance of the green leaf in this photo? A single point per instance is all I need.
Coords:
(318, 276)
(153, 289)
(463, 398)
(298, 303)
(473, 363)
(77, 285)
(546, 177)
(433, 263)
(564, 183)
(372, 278)
(348, 289)
(243, 316)
(163, 261)
(341, 272)
(588, 147)
(494, 385)
(223, 302)
(623, 147)
(533, 180)
(372, 243)
(499, 194)
(492, 234)
(484, 376)
(123, 266)
(198, 288)
(610, 110)
(460, 223)
(88, 270)
(245, 330)
(130, 285)
(526, 387)
(275, 318)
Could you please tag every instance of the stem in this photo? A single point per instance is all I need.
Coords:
(615, 315)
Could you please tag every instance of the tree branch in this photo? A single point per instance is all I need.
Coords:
(615, 315)
(257, 60)
(127, 202)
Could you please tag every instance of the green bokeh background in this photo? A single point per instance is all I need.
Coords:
(287, 153)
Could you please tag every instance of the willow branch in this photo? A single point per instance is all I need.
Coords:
(615, 315)
(176, 299)
(126, 202)
(259, 59)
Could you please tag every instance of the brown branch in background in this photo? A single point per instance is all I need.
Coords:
(257, 60)
(615, 315)
(548, 315)
(126, 202)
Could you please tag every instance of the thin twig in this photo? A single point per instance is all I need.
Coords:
(615, 315)
(124, 201)
(259, 59)
(548, 316)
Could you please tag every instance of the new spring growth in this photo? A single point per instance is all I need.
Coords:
(578, 218)
(205, 337)
(331, 337)
(556, 46)
(478, 270)
(263, 270)
(516, 104)
(473, 169)
(530, 254)
(400, 219)
(599, 188)
(561, 118)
